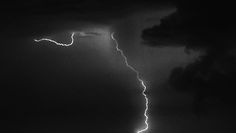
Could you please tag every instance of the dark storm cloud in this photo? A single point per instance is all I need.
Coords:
(205, 26)
(195, 25)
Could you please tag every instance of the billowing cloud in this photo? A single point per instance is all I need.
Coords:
(200, 26)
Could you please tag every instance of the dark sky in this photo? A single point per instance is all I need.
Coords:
(184, 50)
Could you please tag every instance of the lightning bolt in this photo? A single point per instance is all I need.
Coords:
(126, 62)
(57, 43)
(140, 81)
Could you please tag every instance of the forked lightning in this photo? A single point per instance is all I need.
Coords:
(126, 62)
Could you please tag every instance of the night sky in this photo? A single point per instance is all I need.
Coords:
(184, 51)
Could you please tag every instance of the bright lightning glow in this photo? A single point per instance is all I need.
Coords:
(57, 43)
(140, 81)
(126, 62)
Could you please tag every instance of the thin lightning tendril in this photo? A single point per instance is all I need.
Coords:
(140, 81)
(57, 43)
(127, 64)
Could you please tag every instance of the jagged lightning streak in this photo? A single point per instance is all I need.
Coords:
(140, 81)
(57, 43)
(126, 62)
(82, 34)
